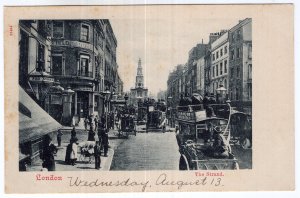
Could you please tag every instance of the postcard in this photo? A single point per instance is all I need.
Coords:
(149, 98)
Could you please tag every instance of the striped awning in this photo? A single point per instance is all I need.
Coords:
(34, 122)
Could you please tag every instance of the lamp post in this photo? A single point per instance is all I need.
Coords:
(126, 98)
(170, 109)
(106, 95)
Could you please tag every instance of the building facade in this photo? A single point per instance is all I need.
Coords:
(139, 92)
(78, 57)
(219, 62)
(240, 61)
(35, 59)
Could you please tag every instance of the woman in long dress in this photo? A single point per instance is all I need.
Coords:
(73, 154)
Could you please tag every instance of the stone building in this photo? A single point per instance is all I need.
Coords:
(240, 63)
(219, 62)
(70, 63)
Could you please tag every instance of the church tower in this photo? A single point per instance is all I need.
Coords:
(139, 80)
(139, 93)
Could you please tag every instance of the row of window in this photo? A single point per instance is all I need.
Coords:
(215, 55)
(217, 70)
(58, 32)
(235, 53)
(236, 35)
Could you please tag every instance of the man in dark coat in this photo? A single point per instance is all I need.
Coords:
(91, 135)
(97, 154)
(49, 149)
(105, 143)
(68, 152)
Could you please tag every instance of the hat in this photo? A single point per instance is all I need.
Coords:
(217, 129)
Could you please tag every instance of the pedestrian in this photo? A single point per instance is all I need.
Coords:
(97, 154)
(96, 120)
(49, 149)
(91, 135)
(101, 129)
(73, 133)
(105, 143)
(73, 154)
(59, 134)
(68, 152)
(112, 121)
(86, 121)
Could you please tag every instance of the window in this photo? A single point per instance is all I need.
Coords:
(85, 69)
(231, 72)
(41, 58)
(232, 36)
(237, 72)
(225, 84)
(213, 72)
(249, 91)
(237, 94)
(225, 50)
(239, 34)
(217, 56)
(58, 29)
(213, 56)
(57, 65)
(84, 33)
(250, 51)
(225, 66)
(221, 52)
(250, 71)
(217, 70)
(221, 68)
(232, 55)
(237, 52)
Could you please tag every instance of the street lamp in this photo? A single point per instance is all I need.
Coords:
(221, 91)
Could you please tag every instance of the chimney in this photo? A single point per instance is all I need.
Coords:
(202, 41)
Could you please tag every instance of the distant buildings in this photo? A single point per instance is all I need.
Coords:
(66, 65)
(226, 60)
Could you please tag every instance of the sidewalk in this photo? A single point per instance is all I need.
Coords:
(82, 162)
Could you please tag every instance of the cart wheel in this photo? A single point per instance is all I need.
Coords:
(183, 164)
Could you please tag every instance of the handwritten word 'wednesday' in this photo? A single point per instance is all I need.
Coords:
(162, 180)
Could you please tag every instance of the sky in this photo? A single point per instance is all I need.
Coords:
(161, 43)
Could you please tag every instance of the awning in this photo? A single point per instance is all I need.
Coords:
(34, 122)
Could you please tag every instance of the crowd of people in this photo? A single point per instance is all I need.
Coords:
(93, 125)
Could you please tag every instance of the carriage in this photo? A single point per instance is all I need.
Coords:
(156, 120)
(127, 126)
(194, 137)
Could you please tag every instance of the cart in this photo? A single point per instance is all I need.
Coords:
(87, 151)
(195, 139)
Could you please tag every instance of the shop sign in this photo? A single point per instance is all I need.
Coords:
(186, 115)
(84, 89)
(68, 43)
(41, 79)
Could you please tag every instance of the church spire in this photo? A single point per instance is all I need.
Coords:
(139, 80)
(140, 69)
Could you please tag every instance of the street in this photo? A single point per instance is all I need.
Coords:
(147, 151)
